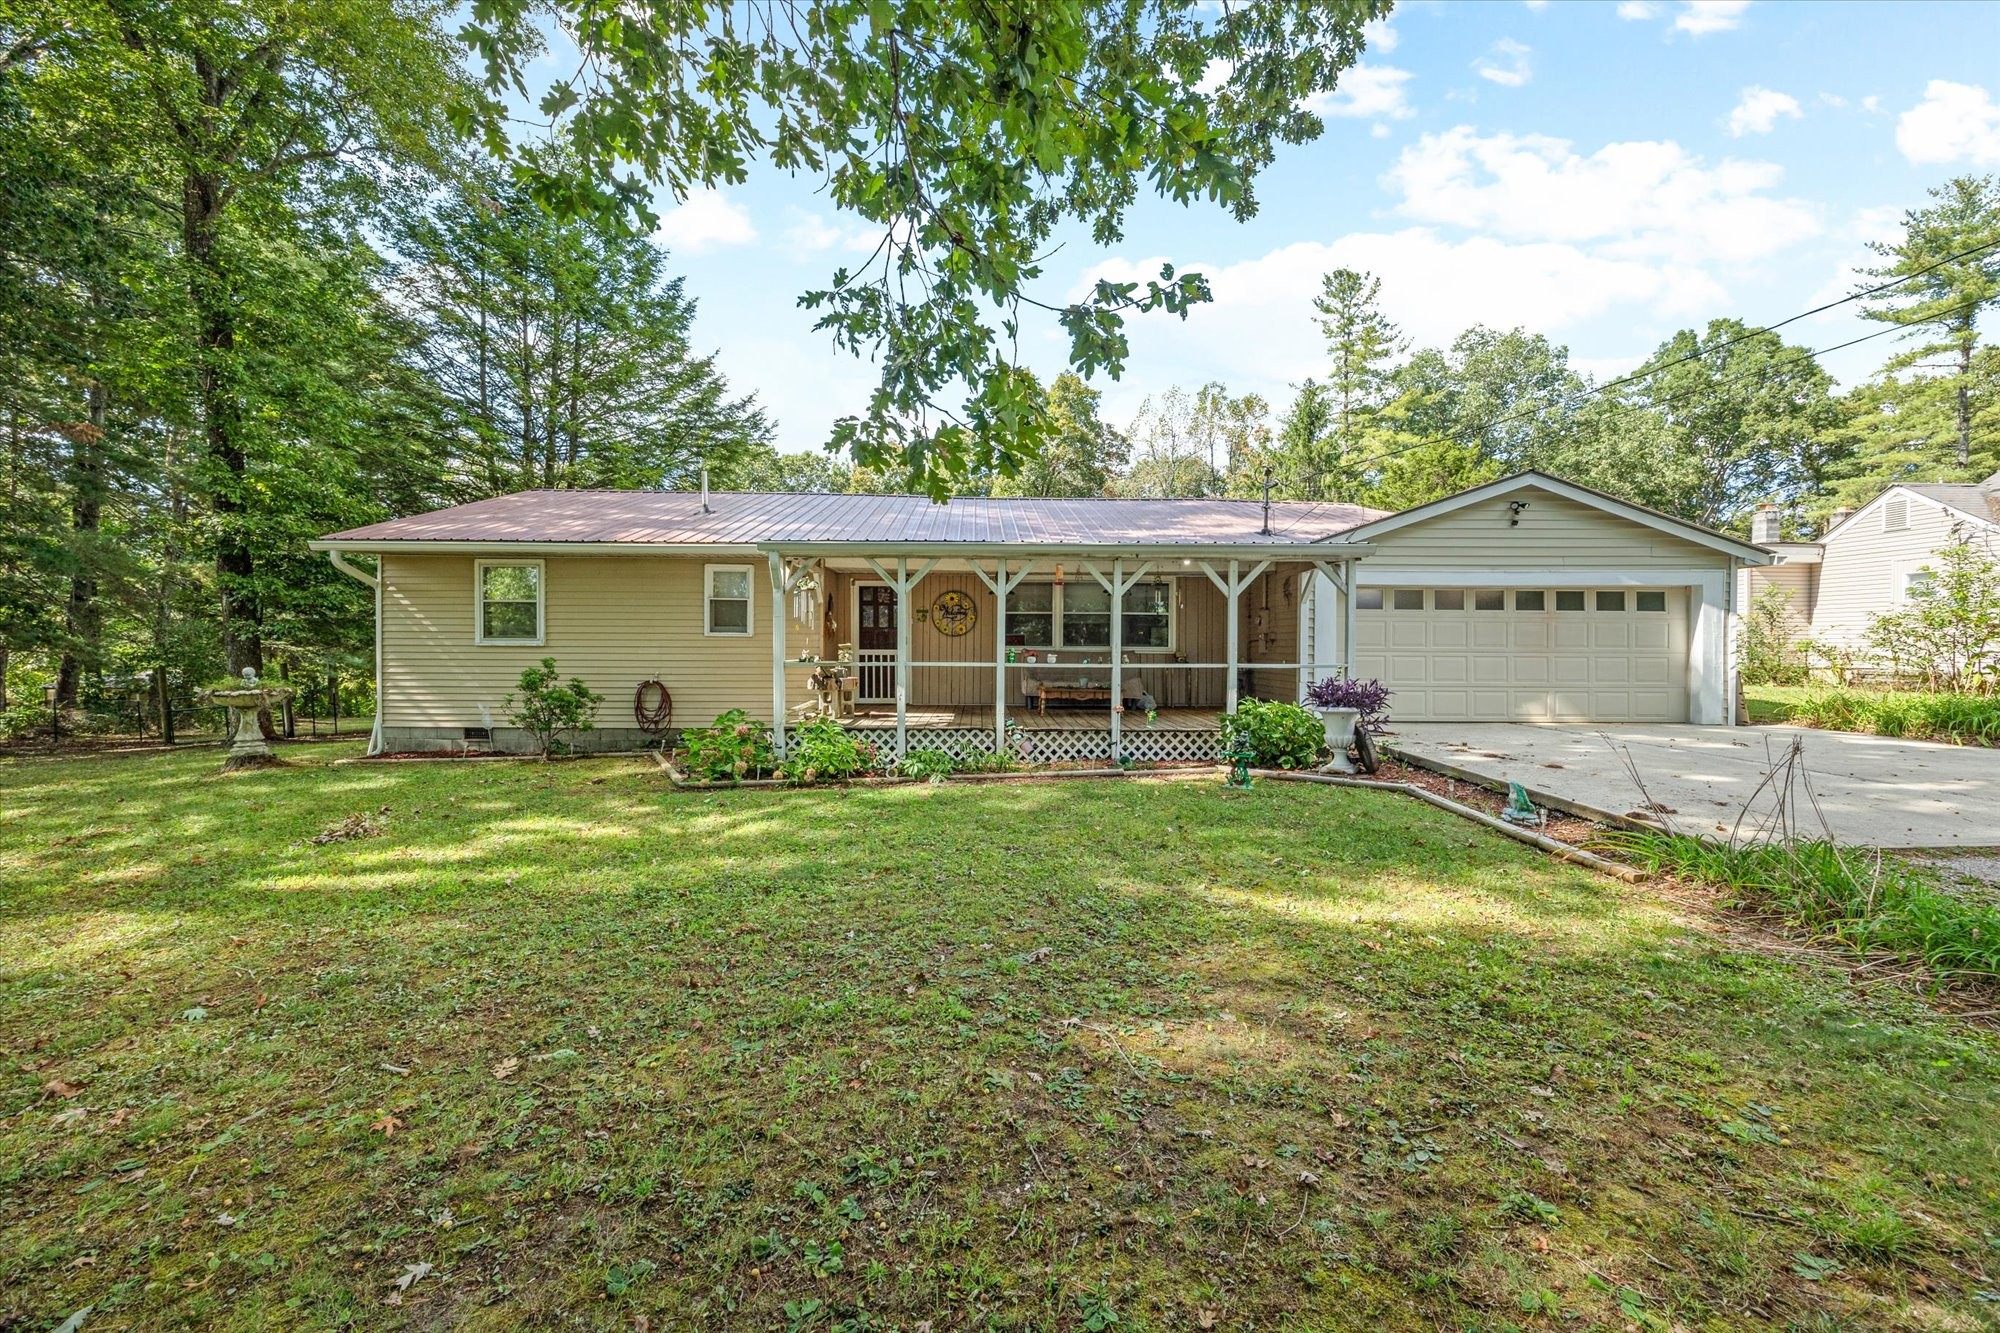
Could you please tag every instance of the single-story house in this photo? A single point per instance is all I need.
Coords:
(1068, 628)
(1868, 559)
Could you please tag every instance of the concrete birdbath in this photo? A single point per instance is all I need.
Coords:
(247, 749)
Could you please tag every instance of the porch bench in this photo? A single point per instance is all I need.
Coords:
(1074, 691)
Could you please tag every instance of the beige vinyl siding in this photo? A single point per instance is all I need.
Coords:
(1862, 568)
(1796, 581)
(613, 621)
(1270, 611)
(1554, 531)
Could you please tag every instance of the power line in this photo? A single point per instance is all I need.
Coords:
(1760, 372)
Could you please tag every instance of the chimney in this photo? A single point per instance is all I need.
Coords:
(1764, 525)
(1838, 517)
(704, 491)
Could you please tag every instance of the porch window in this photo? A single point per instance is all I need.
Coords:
(1149, 615)
(510, 602)
(726, 600)
(1086, 616)
(1031, 615)
(1078, 615)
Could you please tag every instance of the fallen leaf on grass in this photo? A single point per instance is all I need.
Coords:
(388, 1124)
(62, 1087)
(413, 1274)
(120, 1116)
(508, 1067)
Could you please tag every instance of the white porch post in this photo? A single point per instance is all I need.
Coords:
(1329, 617)
(902, 656)
(1232, 588)
(1118, 585)
(1235, 632)
(778, 615)
(1000, 583)
(1347, 595)
(904, 583)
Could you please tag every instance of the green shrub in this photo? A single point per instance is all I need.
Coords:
(1766, 650)
(825, 751)
(549, 709)
(1968, 719)
(23, 721)
(929, 765)
(1861, 899)
(733, 749)
(1283, 735)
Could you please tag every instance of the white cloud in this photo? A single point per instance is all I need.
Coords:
(1259, 332)
(1698, 18)
(1955, 122)
(1832, 99)
(1638, 199)
(1536, 5)
(1379, 36)
(706, 221)
(1758, 111)
(1366, 92)
(1507, 65)
(812, 234)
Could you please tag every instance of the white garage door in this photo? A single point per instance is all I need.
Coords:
(1526, 654)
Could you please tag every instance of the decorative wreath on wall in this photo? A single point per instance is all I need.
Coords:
(954, 614)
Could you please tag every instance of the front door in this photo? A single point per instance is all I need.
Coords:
(875, 642)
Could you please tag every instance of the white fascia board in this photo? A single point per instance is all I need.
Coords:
(1371, 575)
(503, 549)
(1688, 532)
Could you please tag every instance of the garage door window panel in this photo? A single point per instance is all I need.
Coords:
(1407, 599)
(1368, 599)
(1529, 599)
(1651, 599)
(1569, 599)
(1489, 599)
(1611, 599)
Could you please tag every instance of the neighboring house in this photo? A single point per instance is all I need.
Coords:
(1870, 558)
(1527, 599)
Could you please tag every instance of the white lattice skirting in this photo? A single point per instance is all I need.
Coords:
(1050, 746)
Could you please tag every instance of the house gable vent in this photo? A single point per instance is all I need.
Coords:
(1895, 515)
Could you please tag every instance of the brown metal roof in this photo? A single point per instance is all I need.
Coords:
(744, 518)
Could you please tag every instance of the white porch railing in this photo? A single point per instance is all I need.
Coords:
(875, 670)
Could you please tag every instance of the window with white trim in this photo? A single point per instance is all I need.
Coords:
(1077, 614)
(1916, 580)
(509, 593)
(728, 600)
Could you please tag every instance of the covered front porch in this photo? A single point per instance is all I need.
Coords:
(1048, 655)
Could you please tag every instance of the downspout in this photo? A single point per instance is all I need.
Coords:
(374, 581)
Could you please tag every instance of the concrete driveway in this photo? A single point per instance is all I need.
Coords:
(1875, 791)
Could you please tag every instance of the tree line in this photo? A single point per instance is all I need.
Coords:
(1716, 421)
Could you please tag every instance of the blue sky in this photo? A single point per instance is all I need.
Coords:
(1602, 173)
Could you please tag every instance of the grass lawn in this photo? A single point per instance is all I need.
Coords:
(560, 1047)
(1772, 703)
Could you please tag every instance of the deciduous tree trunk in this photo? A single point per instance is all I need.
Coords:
(83, 618)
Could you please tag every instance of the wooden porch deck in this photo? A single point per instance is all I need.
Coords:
(875, 718)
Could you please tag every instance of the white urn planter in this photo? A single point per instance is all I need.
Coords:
(1339, 724)
(247, 748)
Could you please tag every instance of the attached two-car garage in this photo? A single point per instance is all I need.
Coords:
(1532, 599)
(1527, 654)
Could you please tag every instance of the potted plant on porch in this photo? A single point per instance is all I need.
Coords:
(1345, 705)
